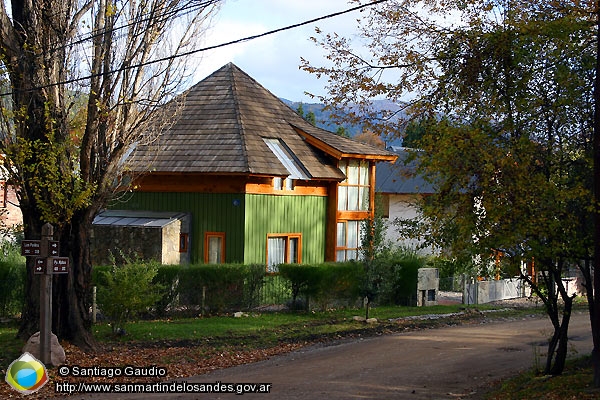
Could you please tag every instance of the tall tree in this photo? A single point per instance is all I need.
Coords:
(88, 82)
(512, 157)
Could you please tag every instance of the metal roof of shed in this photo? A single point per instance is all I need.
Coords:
(148, 219)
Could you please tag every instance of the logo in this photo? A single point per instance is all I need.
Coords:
(26, 374)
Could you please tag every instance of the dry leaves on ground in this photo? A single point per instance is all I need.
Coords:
(178, 361)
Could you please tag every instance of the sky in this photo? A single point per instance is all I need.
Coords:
(273, 61)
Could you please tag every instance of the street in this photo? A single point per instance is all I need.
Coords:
(446, 363)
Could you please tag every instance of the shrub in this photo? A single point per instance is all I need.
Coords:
(399, 271)
(253, 283)
(340, 284)
(219, 287)
(12, 279)
(126, 291)
(167, 277)
(327, 284)
(303, 279)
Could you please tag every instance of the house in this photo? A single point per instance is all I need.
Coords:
(261, 184)
(399, 188)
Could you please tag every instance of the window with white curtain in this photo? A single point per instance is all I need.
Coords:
(349, 239)
(282, 249)
(214, 250)
(353, 192)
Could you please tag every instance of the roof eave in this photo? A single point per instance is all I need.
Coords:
(337, 154)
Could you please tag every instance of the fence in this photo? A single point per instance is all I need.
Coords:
(481, 292)
(274, 291)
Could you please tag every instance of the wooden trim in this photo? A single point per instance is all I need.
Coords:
(353, 215)
(300, 189)
(207, 236)
(372, 189)
(190, 183)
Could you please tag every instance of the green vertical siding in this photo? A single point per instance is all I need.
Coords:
(267, 214)
(211, 212)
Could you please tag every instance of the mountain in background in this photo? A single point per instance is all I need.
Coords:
(323, 118)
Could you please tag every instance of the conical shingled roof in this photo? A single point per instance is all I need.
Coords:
(221, 128)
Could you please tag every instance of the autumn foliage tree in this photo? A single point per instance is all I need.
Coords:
(87, 80)
(504, 90)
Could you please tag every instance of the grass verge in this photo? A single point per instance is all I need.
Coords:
(254, 330)
(574, 383)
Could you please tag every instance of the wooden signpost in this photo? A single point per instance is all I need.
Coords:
(46, 264)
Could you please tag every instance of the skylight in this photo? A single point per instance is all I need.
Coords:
(286, 157)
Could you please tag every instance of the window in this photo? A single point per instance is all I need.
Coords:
(283, 249)
(279, 183)
(287, 158)
(183, 242)
(349, 238)
(385, 205)
(353, 193)
(431, 295)
(214, 247)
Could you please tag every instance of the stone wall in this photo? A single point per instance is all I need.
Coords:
(132, 242)
(428, 283)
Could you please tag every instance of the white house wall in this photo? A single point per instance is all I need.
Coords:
(402, 206)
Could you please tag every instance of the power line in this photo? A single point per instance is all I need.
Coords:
(191, 52)
(190, 7)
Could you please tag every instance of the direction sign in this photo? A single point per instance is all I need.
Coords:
(40, 266)
(53, 248)
(60, 265)
(30, 248)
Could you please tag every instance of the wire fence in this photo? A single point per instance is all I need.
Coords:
(275, 291)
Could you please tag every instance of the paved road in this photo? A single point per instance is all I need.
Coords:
(448, 363)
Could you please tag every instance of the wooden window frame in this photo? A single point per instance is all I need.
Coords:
(346, 248)
(207, 236)
(184, 242)
(287, 237)
(358, 186)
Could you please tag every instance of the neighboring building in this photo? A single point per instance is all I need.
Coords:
(123, 234)
(399, 188)
(261, 184)
(11, 216)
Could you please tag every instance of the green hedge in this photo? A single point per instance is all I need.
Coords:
(13, 273)
(221, 287)
(398, 275)
(212, 288)
(326, 285)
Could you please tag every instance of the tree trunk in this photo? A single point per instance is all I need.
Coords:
(557, 350)
(30, 314)
(71, 292)
(558, 344)
(595, 305)
(71, 303)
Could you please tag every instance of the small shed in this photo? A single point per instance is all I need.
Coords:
(147, 235)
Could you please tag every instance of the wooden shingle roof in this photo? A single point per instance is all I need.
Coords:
(221, 128)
